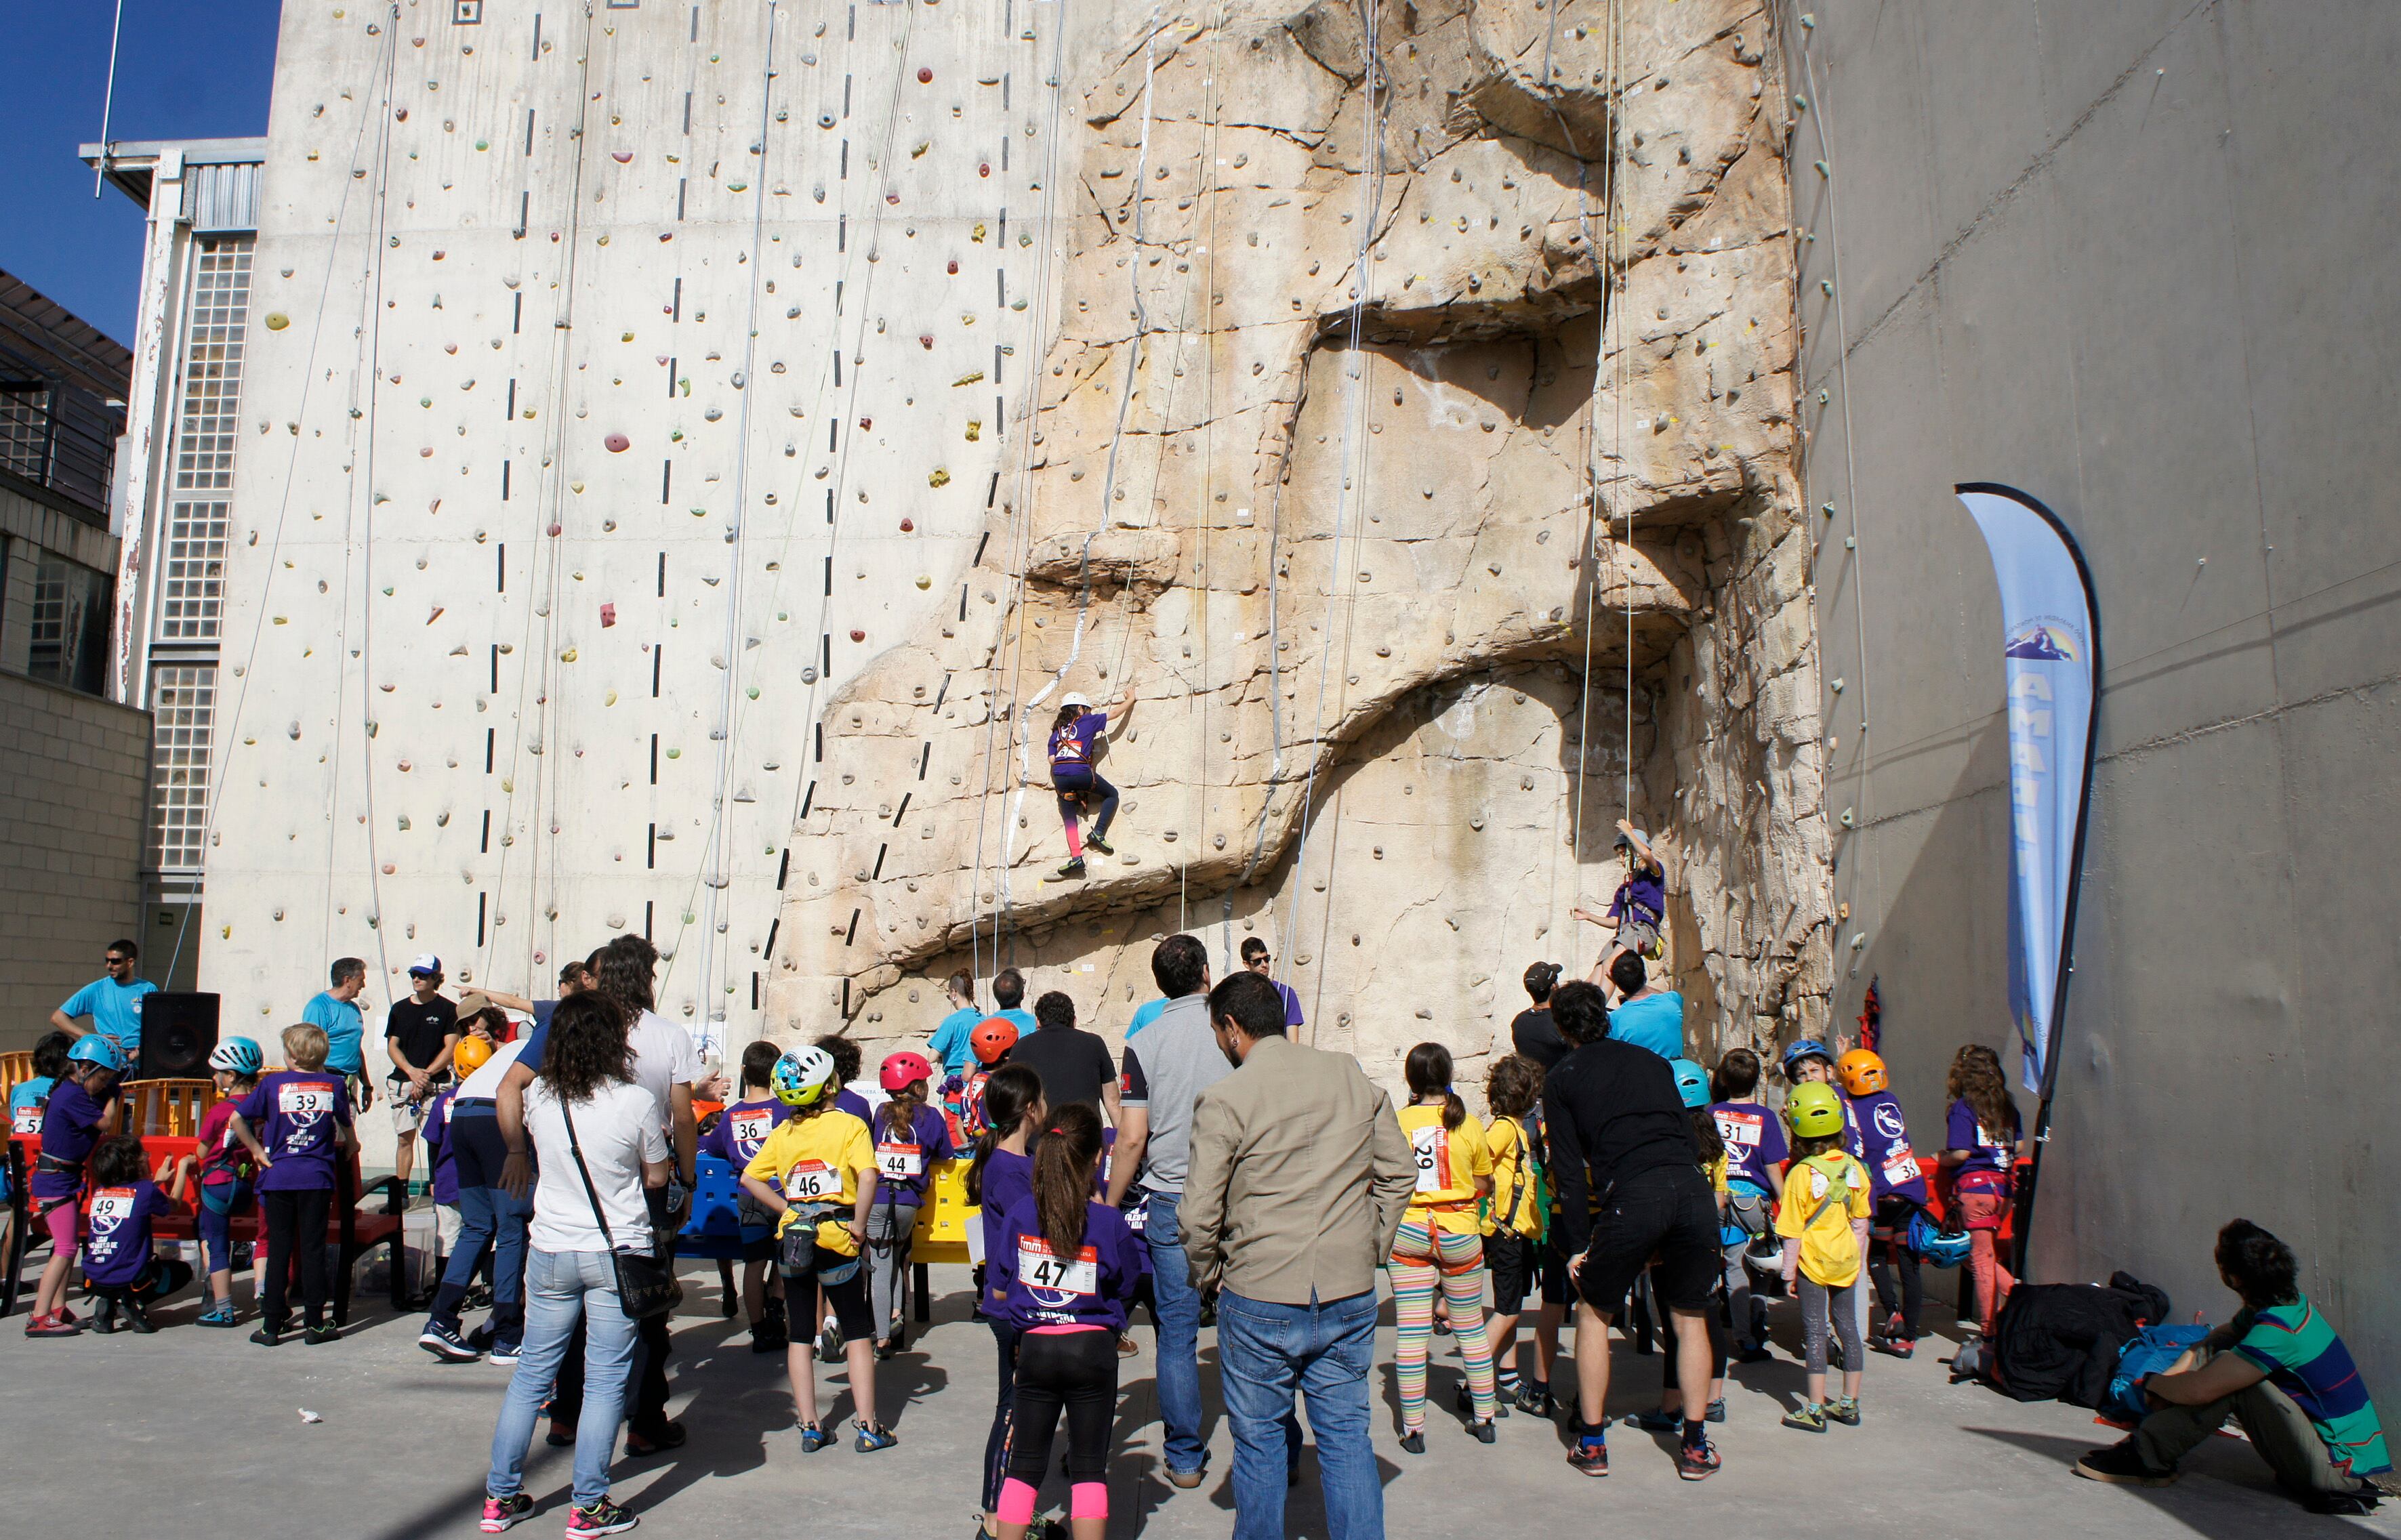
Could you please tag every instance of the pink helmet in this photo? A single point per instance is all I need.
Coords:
(903, 1069)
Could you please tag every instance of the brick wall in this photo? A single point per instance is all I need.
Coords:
(75, 774)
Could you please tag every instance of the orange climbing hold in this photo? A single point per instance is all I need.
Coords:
(858, 636)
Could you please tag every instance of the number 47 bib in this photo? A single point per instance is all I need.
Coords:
(1042, 1268)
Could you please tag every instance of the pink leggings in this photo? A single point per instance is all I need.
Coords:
(61, 1222)
(1981, 1212)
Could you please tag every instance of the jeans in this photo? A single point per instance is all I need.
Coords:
(560, 1288)
(1325, 1350)
(1175, 1307)
(489, 1219)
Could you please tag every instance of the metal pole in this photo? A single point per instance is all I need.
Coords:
(108, 99)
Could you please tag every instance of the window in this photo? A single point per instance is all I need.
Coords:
(192, 586)
(70, 624)
(183, 704)
(214, 326)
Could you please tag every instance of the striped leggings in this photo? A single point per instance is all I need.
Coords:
(1423, 1261)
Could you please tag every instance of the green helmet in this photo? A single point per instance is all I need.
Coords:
(1814, 1111)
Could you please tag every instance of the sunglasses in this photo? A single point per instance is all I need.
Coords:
(113, 960)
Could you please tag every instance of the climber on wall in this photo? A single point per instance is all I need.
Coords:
(1638, 915)
(1075, 741)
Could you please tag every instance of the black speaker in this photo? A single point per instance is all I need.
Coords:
(178, 1030)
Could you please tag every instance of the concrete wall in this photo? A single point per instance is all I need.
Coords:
(2133, 259)
(73, 794)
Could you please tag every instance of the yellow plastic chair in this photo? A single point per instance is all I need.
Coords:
(941, 1232)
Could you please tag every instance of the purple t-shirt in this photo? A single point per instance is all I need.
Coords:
(1884, 1138)
(1989, 1149)
(1643, 895)
(1071, 747)
(1008, 1181)
(119, 1246)
(296, 1114)
(436, 1129)
(847, 1100)
(70, 1128)
(904, 1164)
(1754, 1141)
(742, 1130)
(1034, 1287)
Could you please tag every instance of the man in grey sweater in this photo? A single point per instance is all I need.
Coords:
(1299, 1177)
(1179, 1059)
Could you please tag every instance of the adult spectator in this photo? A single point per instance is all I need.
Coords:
(1645, 1016)
(2277, 1367)
(1159, 1087)
(1533, 1033)
(1074, 1063)
(1618, 1129)
(950, 1048)
(1299, 1177)
(616, 1140)
(1144, 1013)
(334, 1011)
(113, 1001)
(1256, 957)
(419, 1035)
(1008, 999)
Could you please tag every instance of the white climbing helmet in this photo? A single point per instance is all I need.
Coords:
(1077, 699)
(801, 1075)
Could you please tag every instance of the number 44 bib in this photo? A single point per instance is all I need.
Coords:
(1042, 1268)
(901, 1162)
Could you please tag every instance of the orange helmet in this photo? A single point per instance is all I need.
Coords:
(472, 1055)
(1863, 1073)
(992, 1037)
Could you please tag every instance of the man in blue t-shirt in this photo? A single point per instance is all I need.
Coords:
(1645, 1017)
(1008, 994)
(951, 1047)
(114, 1003)
(336, 1011)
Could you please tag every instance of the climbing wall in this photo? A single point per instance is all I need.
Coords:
(629, 375)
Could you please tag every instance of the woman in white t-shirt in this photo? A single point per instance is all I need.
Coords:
(586, 1076)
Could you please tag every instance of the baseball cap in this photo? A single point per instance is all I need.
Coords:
(425, 963)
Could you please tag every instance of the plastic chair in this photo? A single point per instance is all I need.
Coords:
(16, 1069)
(941, 1232)
(714, 1226)
(168, 1108)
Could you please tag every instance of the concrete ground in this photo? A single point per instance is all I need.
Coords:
(197, 1424)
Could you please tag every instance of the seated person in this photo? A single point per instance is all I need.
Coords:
(2277, 1367)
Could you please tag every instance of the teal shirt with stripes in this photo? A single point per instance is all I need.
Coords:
(2306, 1361)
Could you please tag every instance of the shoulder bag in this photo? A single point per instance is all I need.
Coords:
(646, 1284)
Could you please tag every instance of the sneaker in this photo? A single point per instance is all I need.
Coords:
(1697, 1462)
(483, 1337)
(267, 1335)
(872, 1438)
(1127, 1346)
(601, 1518)
(561, 1435)
(220, 1314)
(1483, 1432)
(1655, 1422)
(1069, 872)
(1846, 1411)
(2121, 1465)
(830, 1343)
(1413, 1442)
(1717, 1411)
(814, 1437)
(444, 1342)
(1809, 1417)
(502, 1512)
(318, 1336)
(1590, 1456)
(476, 1298)
(504, 1353)
(2351, 1505)
(1534, 1399)
(768, 1336)
(1756, 1353)
(52, 1324)
(1094, 842)
(103, 1318)
(667, 1436)
(69, 1316)
(1899, 1347)
(138, 1320)
(1185, 1480)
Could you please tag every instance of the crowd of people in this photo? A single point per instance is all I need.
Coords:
(1218, 1169)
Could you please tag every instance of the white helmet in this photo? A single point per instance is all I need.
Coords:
(1073, 698)
(801, 1075)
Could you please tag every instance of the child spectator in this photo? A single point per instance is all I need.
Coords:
(441, 1164)
(962, 1099)
(847, 1063)
(117, 1260)
(224, 1166)
(297, 1124)
(25, 1100)
(817, 1168)
(949, 1049)
(911, 1139)
(1896, 1188)
(1439, 1246)
(736, 1139)
(1824, 1222)
(1001, 1175)
(1981, 1144)
(1513, 1221)
(1064, 1275)
(81, 1108)
(1755, 1157)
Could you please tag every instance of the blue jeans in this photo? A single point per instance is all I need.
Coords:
(488, 1218)
(561, 1285)
(1326, 1351)
(1176, 1306)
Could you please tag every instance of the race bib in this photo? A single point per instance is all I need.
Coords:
(306, 1099)
(1430, 1146)
(1039, 1267)
(111, 1207)
(812, 1182)
(26, 1120)
(901, 1162)
(1740, 1131)
(750, 1129)
(1900, 1165)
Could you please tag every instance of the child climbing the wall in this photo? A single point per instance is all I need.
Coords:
(1075, 776)
(1638, 915)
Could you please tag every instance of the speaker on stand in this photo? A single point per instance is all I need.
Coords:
(178, 1030)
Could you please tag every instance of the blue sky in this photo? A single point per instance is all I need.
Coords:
(184, 71)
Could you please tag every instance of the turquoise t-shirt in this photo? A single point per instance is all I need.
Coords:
(344, 1028)
(2306, 1361)
(26, 1105)
(952, 1042)
(1655, 1022)
(115, 1009)
(1144, 1013)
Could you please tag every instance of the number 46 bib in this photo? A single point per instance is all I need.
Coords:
(812, 1182)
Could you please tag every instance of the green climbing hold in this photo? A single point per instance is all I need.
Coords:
(675, 754)
(278, 321)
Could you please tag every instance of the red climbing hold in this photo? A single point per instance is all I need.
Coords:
(983, 167)
(401, 113)
(608, 616)
(907, 526)
(866, 423)
(955, 265)
(618, 444)
(858, 636)
(553, 529)
(893, 198)
(926, 341)
(620, 157)
(924, 77)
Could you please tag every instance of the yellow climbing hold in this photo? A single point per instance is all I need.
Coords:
(940, 478)
(567, 655)
(977, 237)
(611, 699)
(975, 429)
(968, 378)
(925, 581)
(278, 321)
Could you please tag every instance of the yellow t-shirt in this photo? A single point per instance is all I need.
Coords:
(814, 1160)
(1506, 1141)
(1448, 1161)
(1829, 1252)
(1717, 1178)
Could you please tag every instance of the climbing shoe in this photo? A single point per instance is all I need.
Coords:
(872, 1438)
(1809, 1417)
(1070, 872)
(1846, 1411)
(1094, 842)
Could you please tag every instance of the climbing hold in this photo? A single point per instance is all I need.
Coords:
(278, 321)
(608, 616)
(924, 76)
(925, 581)
(675, 754)
(567, 655)
(554, 529)
(955, 265)
(908, 525)
(866, 423)
(620, 157)
(858, 636)
(926, 340)
(754, 693)
(940, 478)
(809, 674)
(618, 444)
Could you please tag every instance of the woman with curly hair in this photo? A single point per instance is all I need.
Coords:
(1981, 1143)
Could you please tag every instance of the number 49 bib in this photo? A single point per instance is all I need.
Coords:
(1042, 1268)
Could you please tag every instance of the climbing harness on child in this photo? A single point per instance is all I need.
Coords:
(1074, 740)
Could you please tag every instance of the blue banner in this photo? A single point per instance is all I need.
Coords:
(2051, 658)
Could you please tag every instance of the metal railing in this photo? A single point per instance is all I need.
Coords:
(58, 436)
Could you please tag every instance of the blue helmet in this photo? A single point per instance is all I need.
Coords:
(1691, 1082)
(1808, 1047)
(93, 1048)
(1935, 1244)
(237, 1054)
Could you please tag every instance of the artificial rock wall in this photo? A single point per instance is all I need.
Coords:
(695, 446)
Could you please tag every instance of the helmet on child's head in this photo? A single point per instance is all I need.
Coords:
(472, 1055)
(1692, 1082)
(1807, 1048)
(801, 1077)
(94, 1049)
(992, 1037)
(1813, 1111)
(1626, 841)
(237, 1056)
(1863, 1073)
(903, 1069)
(1077, 699)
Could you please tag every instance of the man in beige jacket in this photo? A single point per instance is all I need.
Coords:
(1299, 1177)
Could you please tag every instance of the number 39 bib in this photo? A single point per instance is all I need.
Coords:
(1041, 1268)
(1430, 1147)
(812, 1182)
